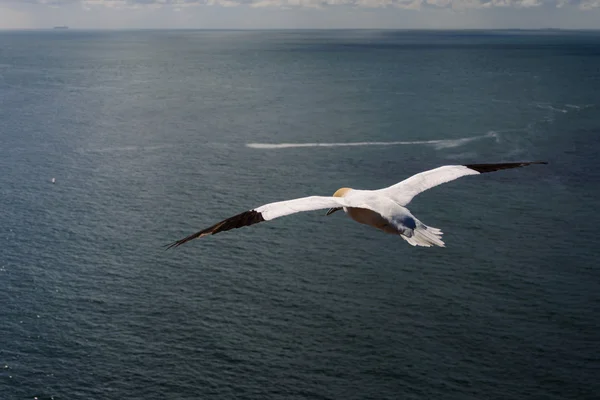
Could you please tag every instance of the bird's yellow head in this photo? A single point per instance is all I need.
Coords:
(341, 192)
(338, 193)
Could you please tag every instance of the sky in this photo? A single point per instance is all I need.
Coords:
(283, 14)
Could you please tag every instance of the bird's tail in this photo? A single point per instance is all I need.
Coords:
(425, 236)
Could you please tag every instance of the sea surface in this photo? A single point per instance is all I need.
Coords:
(153, 135)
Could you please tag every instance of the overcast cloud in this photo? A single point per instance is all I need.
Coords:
(407, 4)
(300, 13)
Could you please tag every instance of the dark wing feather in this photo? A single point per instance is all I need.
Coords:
(483, 168)
(237, 221)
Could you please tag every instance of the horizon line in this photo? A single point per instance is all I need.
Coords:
(295, 29)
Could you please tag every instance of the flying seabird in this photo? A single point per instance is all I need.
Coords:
(383, 209)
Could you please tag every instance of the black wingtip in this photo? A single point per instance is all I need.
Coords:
(184, 240)
(483, 168)
(245, 218)
(171, 245)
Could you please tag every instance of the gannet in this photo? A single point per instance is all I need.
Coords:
(383, 209)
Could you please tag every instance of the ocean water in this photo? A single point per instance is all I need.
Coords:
(153, 135)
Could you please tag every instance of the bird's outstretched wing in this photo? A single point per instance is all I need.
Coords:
(266, 212)
(403, 192)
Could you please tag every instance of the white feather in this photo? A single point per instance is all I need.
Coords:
(281, 208)
(404, 191)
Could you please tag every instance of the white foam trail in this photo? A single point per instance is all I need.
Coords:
(438, 144)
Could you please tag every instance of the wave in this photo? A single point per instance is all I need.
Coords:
(123, 149)
(551, 108)
(437, 144)
(581, 107)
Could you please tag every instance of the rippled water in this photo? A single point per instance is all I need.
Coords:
(154, 135)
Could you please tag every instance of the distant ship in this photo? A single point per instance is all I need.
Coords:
(61, 27)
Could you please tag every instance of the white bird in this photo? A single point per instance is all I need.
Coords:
(383, 209)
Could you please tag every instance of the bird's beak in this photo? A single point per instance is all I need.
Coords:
(332, 210)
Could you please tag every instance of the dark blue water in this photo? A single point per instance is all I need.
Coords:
(147, 136)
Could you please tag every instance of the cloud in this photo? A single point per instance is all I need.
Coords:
(404, 4)
(10, 18)
(589, 4)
